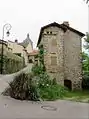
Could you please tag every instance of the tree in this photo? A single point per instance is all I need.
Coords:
(85, 82)
(85, 62)
(86, 41)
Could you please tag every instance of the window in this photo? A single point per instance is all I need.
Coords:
(50, 32)
(53, 60)
(54, 43)
(53, 46)
(19, 54)
(47, 32)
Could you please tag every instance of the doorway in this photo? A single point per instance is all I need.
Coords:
(68, 84)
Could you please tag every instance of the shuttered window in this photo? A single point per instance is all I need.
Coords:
(53, 60)
(53, 46)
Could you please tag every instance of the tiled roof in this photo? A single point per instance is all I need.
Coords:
(34, 52)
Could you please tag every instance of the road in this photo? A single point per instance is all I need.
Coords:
(15, 109)
(5, 79)
(60, 109)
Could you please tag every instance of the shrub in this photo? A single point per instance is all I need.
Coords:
(48, 88)
(85, 82)
(52, 92)
(37, 70)
(23, 88)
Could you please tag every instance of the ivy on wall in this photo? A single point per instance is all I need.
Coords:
(11, 64)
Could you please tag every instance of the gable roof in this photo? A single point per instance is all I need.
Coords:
(62, 26)
(74, 30)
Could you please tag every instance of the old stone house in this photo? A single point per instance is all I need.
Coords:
(62, 57)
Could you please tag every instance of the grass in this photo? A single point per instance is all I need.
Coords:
(80, 96)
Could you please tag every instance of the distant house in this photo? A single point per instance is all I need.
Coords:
(21, 49)
(62, 59)
(33, 56)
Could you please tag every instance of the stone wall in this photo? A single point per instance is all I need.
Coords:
(72, 59)
(49, 35)
(11, 62)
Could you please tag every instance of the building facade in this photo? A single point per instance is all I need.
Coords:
(21, 49)
(62, 57)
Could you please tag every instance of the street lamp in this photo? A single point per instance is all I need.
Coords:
(6, 27)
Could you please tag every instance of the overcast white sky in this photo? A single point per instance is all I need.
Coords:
(28, 16)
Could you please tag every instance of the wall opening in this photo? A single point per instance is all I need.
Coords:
(68, 84)
(30, 61)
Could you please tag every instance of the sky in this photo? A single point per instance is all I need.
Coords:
(28, 16)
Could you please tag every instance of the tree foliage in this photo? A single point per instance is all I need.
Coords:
(85, 62)
(86, 41)
(85, 65)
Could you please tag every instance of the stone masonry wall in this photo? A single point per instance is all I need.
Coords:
(56, 71)
(72, 59)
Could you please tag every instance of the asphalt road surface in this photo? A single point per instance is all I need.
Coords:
(15, 109)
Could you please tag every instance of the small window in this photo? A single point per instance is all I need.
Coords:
(53, 46)
(47, 32)
(53, 60)
(50, 32)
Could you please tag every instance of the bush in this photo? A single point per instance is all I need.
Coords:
(37, 70)
(23, 88)
(48, 88)
(85, 82)
(52, 92)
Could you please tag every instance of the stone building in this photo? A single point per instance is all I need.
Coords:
(62, 57)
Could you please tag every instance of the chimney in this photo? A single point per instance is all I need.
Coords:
(66, 23)
(16, 41)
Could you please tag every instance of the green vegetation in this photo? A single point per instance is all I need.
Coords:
(80, 96)
(48, 88)
(23, 88)
(11, 63)
(52, 92)
(85, 64)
